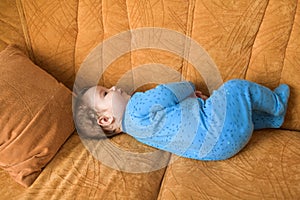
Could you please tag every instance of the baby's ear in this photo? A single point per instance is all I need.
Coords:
(105, 120)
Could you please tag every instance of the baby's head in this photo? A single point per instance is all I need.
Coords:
(99, 109)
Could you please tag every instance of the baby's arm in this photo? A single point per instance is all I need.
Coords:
(181, 90)
(163, 96)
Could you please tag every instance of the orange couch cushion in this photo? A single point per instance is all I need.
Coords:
(267, 168)
(35, 116)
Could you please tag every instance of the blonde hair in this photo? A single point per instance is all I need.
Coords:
(85, 119)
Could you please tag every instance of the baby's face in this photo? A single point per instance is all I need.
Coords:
(112, 100)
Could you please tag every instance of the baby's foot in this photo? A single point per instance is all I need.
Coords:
(265, 120)
(283, 91)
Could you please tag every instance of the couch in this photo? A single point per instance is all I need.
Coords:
(257, 40)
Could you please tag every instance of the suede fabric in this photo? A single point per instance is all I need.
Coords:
(35, 119)
(256, 40)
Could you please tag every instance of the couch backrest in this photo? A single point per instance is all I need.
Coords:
(255, 40)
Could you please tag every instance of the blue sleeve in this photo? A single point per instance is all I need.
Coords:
(163, 96)
(181, 90)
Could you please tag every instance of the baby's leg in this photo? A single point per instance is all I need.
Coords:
(268, 107)
(263, 120)
(261, 98)
(272, 103)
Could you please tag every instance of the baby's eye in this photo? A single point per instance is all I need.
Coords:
(105, 93)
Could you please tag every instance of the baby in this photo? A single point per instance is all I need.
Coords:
(176, 118)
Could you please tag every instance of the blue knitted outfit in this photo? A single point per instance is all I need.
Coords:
(169, 118)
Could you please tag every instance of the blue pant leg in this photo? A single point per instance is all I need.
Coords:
(247, 105)
(262, 98)
(263, 120)
(268, 107)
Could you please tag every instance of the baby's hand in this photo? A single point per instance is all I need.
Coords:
(198, 94)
